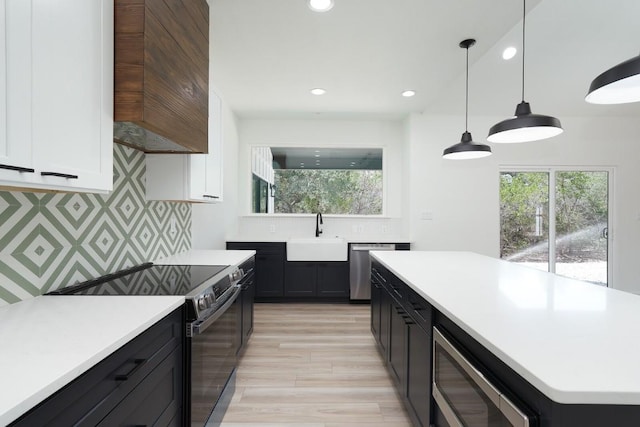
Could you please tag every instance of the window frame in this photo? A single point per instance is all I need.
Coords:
(552, 170)
(385, 175)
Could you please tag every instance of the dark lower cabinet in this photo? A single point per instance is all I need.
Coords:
(140, 383)
(385, 312)
(269, 273)
(376, 301)
(333, 279)
(398, 331)
(419, 374)
(401, 324)
(300, 279)
(247, 296)
(328, 280)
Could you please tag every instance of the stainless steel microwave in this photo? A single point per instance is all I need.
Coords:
(464, 396)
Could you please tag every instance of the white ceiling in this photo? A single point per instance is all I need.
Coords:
(268, 54)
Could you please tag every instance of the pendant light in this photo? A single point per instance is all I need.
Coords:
(617, 85)
(525, 126)
(466, 148)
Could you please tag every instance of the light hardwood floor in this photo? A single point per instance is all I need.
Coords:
(313, 365)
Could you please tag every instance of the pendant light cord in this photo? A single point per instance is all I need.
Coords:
(524, 13)
(466, 101)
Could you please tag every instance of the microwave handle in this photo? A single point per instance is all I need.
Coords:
(508, 409)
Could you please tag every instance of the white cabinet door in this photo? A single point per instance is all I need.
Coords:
(190, 177)
(72, 81)
(197, 176)
(214, 162)
(179, 177)
(56, 95)
(15, 91)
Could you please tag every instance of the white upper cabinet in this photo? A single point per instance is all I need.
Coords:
(59, 98)
(190, 177)
(15, 92)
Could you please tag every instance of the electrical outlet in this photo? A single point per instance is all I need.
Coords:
(172, 225)
(361, 228)
(272, 228)
(426, 215)
(385, 229)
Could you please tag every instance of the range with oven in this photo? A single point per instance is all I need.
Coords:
(214, 330)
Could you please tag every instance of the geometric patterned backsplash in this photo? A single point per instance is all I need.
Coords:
(52, 240)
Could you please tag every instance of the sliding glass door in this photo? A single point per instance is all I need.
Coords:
(557, 220)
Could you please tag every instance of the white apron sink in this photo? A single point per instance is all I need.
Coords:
(317, 249)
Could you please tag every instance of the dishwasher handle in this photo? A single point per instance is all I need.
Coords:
(374, 247)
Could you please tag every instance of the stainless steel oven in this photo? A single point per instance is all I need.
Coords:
(213, 343)
(465, 397)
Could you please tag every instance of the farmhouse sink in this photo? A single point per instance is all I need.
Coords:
(317, 249)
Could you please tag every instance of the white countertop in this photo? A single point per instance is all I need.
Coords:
(207, 257)
(280, 239)
(575, 342)
(48, 341)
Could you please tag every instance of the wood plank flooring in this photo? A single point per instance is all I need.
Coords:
(313, 365)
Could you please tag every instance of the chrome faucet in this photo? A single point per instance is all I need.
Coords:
(318, 224)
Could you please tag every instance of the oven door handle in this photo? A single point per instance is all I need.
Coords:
(200, 326)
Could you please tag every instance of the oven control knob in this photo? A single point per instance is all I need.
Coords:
(209, 299)
(202, 303)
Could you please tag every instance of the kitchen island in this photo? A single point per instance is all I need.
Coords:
(573, 343)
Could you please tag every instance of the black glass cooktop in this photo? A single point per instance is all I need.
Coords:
(147, 279)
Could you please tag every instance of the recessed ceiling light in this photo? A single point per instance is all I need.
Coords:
(320, 5)
(317, 155)
(318, 91)
(408, 93)
(509, 53)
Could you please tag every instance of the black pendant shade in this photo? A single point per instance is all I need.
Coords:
(525, 126)
(617, 85)
(466, 148)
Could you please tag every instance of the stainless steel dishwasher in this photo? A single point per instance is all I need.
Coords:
(360, 268)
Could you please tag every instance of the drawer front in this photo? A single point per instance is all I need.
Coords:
(419, 310)
(156, 401)
(89, 398)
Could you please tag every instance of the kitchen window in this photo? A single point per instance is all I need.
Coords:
(557, 220)
(339, 181)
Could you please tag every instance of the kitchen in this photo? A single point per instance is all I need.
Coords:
(49, 239)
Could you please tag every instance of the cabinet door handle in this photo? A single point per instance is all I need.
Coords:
(17, 168)
(61, 175)
(208, 196)
(139, 364)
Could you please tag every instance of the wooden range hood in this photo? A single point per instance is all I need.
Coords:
(161, 75)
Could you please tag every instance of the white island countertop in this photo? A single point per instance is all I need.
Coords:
(575, 342)
(207, 257)
(48, 341)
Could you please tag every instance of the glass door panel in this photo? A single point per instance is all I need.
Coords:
(524, 218)
(581, 216)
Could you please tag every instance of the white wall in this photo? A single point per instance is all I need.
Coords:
(462, 196)
(387, 134)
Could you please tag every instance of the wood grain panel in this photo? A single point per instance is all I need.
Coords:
(313, 365)
(162, 75)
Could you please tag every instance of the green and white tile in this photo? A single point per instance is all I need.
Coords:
(49, 240)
